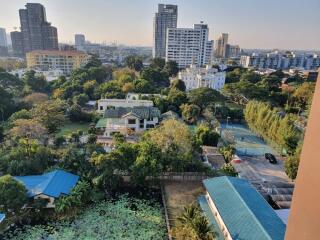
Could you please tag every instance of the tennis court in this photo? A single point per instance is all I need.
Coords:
(246, 142)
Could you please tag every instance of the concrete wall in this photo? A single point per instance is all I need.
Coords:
(304, 219)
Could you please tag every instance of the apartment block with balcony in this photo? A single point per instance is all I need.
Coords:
(188, 46)
(67, 61)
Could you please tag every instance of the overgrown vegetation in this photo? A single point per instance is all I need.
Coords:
(125, 218)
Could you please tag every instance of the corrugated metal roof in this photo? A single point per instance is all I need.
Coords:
(101, 123)
(52, 184)
(207, 211)
(141, 112)
(244, 211)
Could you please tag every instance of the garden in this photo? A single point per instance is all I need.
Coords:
(124, 218)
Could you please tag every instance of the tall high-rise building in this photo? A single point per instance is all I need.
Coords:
(165, 18)
(3, 37)
(79, 39)
(188, 46)
(37, 33)
(221, 46)
(3, 42)
(17, 44)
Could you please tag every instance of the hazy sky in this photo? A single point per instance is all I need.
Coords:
(289, 24)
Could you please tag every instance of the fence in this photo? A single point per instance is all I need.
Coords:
(175, 176)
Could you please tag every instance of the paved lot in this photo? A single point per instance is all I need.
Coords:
(257, 168)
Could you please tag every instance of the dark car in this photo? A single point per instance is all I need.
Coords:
(272, 159)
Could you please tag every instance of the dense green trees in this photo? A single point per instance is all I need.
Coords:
(190, 113)
(134, 62)
(178, 84)
(34, 82)
(291, 164)
(268, 123)
(206, 135)
(204, 96)
(79, 197)
(13, 195)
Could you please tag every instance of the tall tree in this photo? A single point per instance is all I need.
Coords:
(13, 195)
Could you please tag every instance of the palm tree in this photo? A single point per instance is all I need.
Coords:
(203, 229)
(189, 214)
(196, 224)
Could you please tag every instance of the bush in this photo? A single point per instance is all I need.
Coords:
(207, 136)
(229, 170)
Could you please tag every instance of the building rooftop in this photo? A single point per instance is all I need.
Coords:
(57, 52)
(207, 212)
(52, 184)
(140, 112)
(170, 115)
(244, 211)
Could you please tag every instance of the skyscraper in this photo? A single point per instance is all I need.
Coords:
(80, 41)
(3, 37)
(188, 46)
(165, 18)
(221, 49)
(17, 44)
(37, 33)
(3, 42)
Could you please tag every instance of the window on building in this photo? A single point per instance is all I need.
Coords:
(131, 121)
(101, 107)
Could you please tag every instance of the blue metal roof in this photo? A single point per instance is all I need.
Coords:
(244, 211)
(207, 211)
(52, 184)
(2, 217)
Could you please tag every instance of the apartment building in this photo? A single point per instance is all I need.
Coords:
(278, 60)
(188, 46)
(221, 46)
(165, 18)
(36, 32)
(196, 77)
(67, 61)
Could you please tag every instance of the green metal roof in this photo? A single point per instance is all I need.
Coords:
(101, 123)
(140, 112)
(244, 211)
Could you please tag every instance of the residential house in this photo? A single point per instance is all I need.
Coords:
(105, 104)
(238, 211)
(49, 186)
(128, 120)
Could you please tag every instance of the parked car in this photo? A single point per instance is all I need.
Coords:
(271, 158)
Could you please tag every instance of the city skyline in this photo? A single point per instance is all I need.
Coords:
(250, 24)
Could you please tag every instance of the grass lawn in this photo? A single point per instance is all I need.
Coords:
(70, 127)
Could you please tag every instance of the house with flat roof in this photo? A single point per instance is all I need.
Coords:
(239, 211)
(49, 186)
(128, 120)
